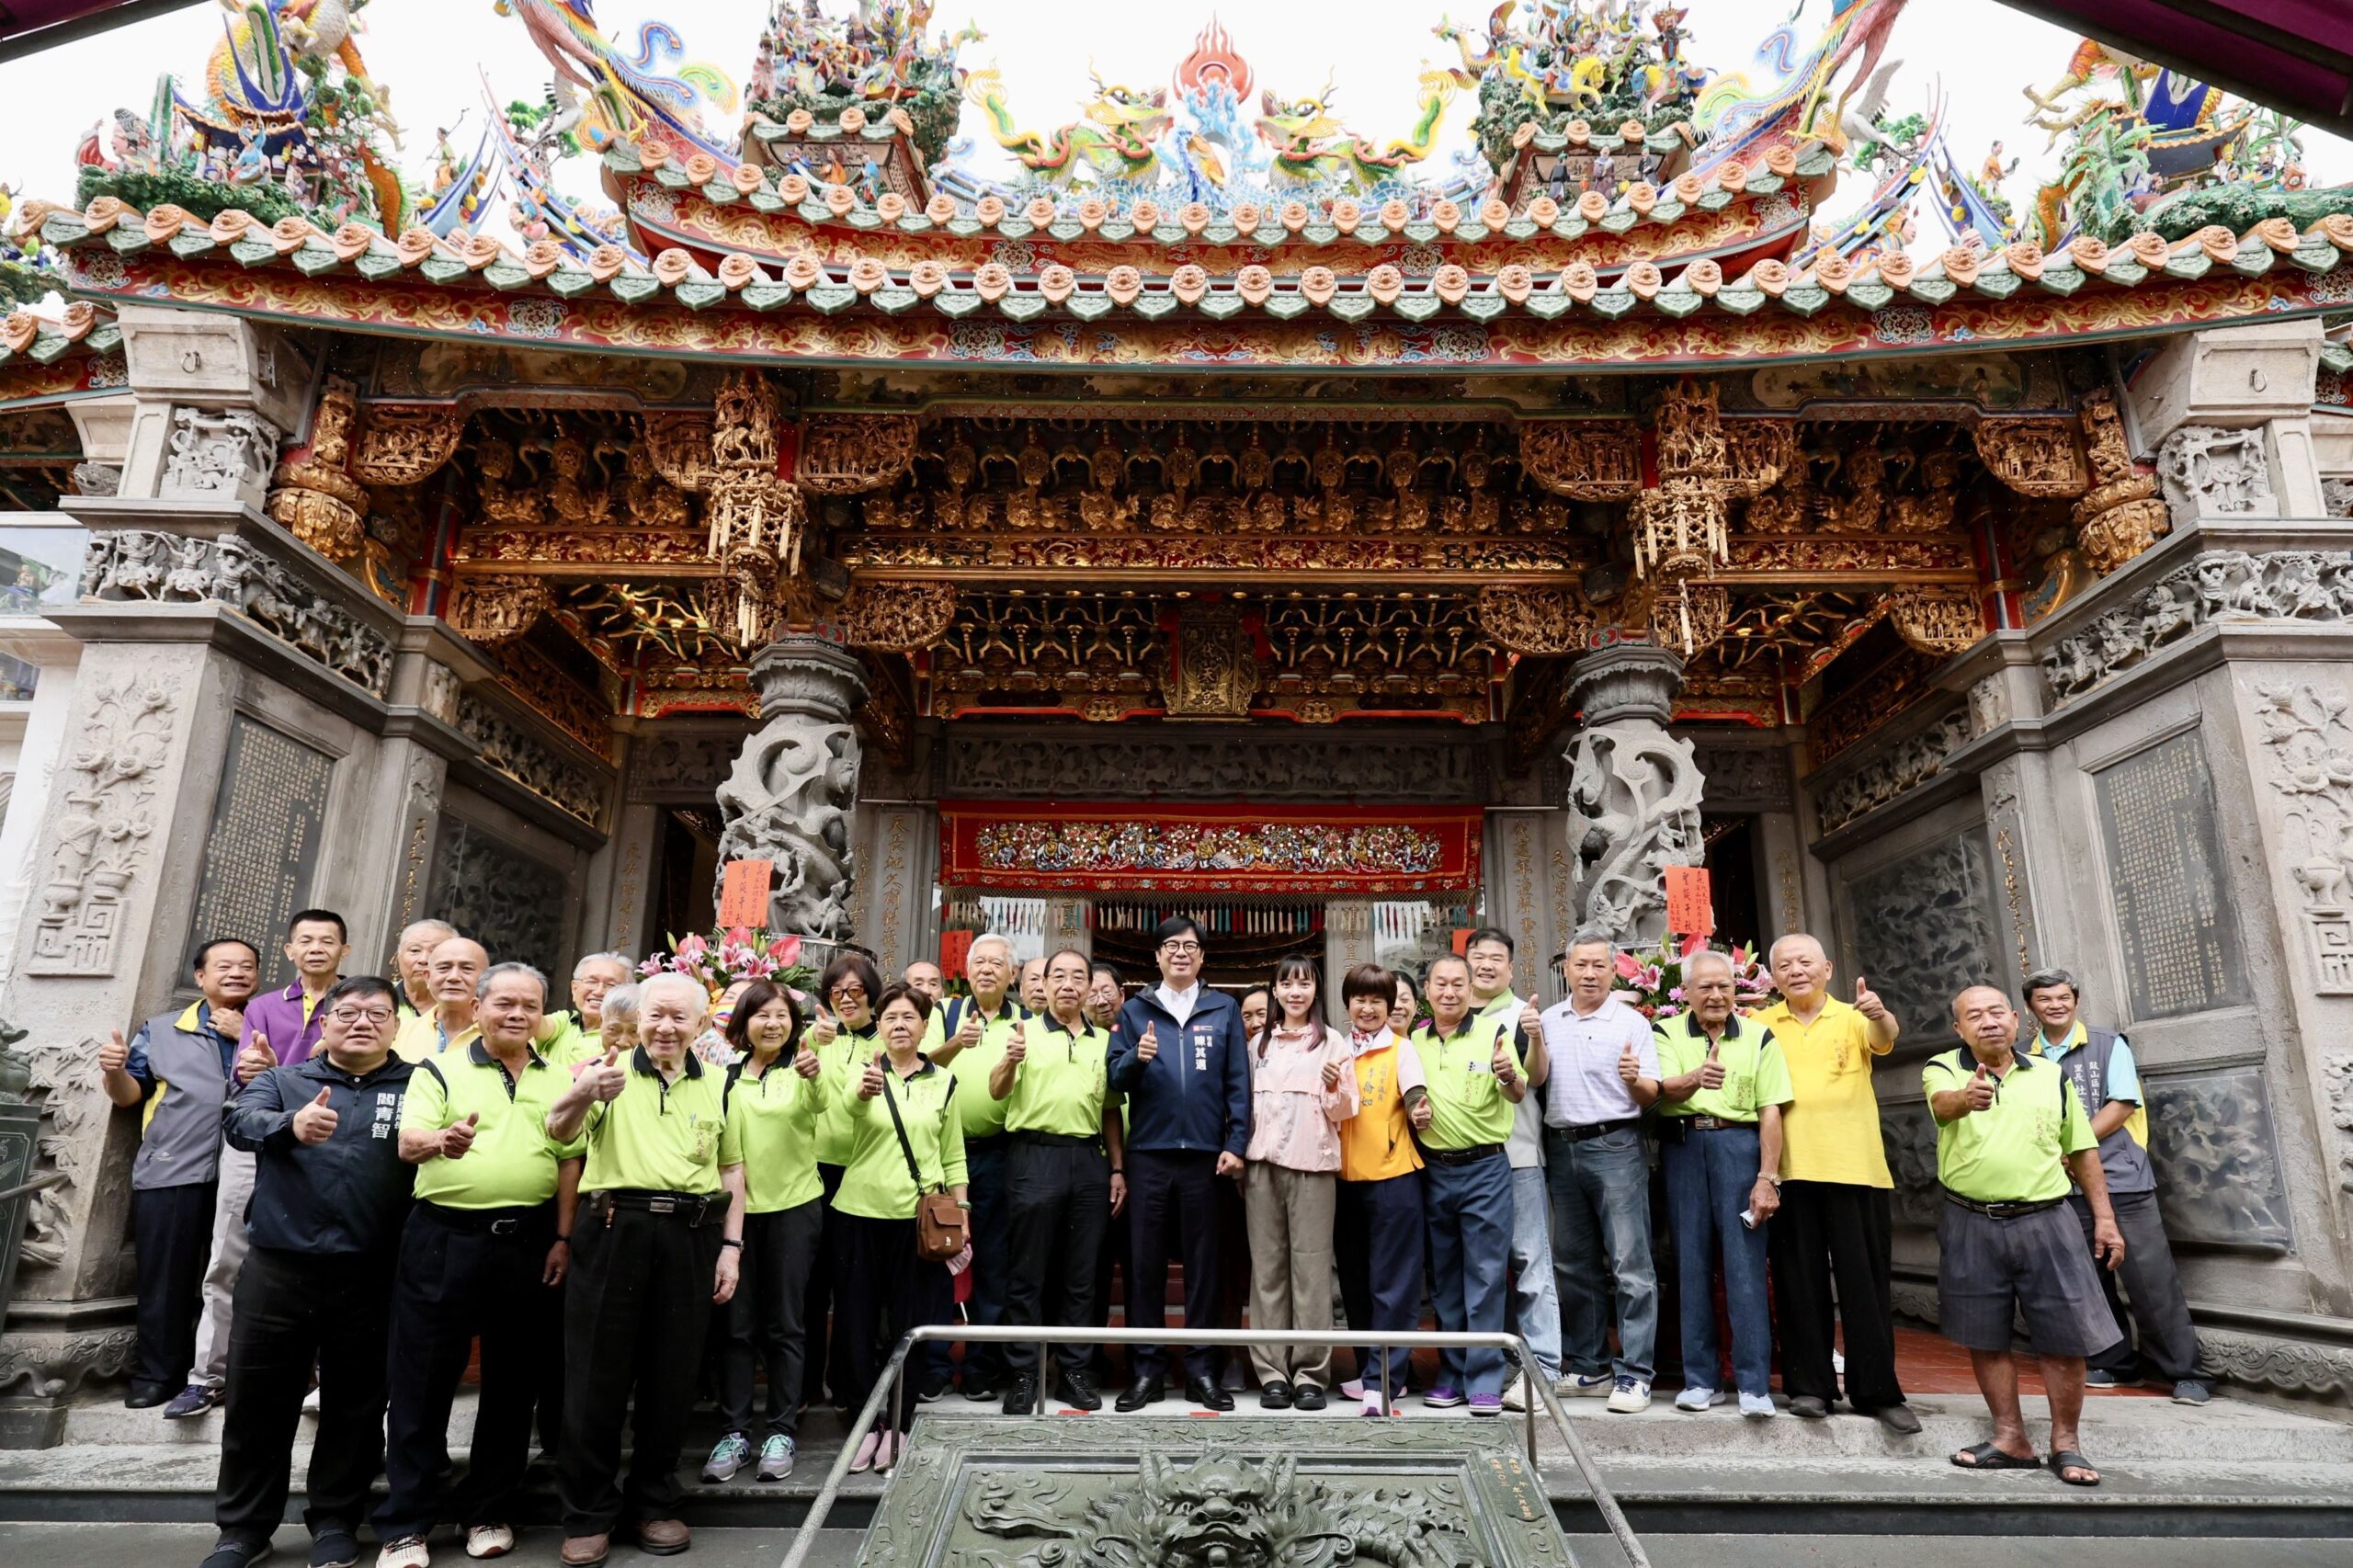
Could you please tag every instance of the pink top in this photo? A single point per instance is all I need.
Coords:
(1295, 1119)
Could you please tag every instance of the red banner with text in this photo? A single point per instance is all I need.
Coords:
(1132, 848)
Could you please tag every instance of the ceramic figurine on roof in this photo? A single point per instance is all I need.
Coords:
(28, 267)
(649, 97)
(875, 62)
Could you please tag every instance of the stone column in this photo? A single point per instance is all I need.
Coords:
(795, 784)
(2227, 415)
(39, 748)
(1633, 791)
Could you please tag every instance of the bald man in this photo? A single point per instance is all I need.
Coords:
(412, 963)
(452, 971)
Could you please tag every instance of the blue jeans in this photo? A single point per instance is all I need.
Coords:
(1709, 1179)
(1469, 1211)
(1536, 1308)
(1601, 1229)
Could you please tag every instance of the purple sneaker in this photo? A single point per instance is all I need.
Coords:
(1444, 1397)
(1486, 1404)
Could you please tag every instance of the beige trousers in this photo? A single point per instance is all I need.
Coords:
(1289, 1215)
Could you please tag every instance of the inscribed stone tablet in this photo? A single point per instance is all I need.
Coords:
(263, 846)
(2172, 910)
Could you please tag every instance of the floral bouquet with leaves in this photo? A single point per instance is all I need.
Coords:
(724, 957)
(1651, 979)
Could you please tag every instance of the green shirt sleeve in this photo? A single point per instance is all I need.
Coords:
(1935, 1077)
(2074, 1127)
(425, 1107)
(730, 1133)
(1668, 1043)
(809, 1099)
(951, 1144)
(1773, 1085)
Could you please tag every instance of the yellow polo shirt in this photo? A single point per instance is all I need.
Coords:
(2014, 1151)
(1060, 1084)
(420, 1037)
(1830, 1129)
(772, 1134)
(512, 1163)
(842, 1063)
(983, 1114)
(1468, 1106)
(660, 1137)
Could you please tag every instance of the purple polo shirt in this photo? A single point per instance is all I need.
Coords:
(278, 1015)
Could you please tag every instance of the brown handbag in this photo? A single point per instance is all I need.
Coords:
(942, 1226)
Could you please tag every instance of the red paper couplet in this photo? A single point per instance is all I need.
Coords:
(744, 895)
(1689, 910)
(955, 946)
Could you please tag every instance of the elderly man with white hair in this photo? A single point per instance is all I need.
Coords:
(1835, 1220)
(658, 1241)
(575, 1037)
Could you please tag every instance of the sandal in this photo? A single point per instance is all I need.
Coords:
(1985, 1455)
(2065, 1460)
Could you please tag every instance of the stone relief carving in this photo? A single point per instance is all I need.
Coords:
(664, 765)
(1900, 768)
(100, 835)
(1923, 929)
(2207, 472)
(215, 451)
(1113, 767)
(2339, 1085)
(72, 1107)
(1940, 620)
(96, 478)
(52, 1365)
(2336, 495)
(2217, 1161)
(440, 693)
(1989, 704)
(1534, 620)
(232, 569)
(1909, 1134)
(1743, 779)
(2309, 741)
(2286, 1364)
(1584, 460)
(2216, 585)
(1635, 792)
(789, 795)
(510, 749)
(510, 902)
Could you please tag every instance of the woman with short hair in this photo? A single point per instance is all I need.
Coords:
(1377, 1233)
(843, 1035)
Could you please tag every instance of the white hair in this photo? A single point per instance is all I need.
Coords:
(1709, 955)
(1002, 941)
(443, 927)
(620, 1005)
(619, 960)
(686, 984)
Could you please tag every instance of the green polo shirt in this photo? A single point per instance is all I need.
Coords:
(657, 1136)
(570, 1045)
(875, 1184)
(2011, 1152)
(1468, 1107)
(1060, 1086)
(842, 1064)
(512, 1163)
(772, 1134)
(984, 1115)
(1755, 1073)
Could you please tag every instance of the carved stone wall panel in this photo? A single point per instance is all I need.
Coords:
(222, 453)
(2308, 754)
(2215, 585)
(2209, 472)
(1909, 1134)
(2217, 1158)
(1742, 777)
(508, 749)
(1924, 927)
(506, 899)
(666, 764)
(261, 851)
(1898, 769)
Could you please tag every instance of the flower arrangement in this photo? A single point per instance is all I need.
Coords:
(1652, 980)
(724, 957)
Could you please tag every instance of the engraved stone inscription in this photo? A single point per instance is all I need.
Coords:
(2172, 918)
(510, 903)
(1923, 929)
(263, 846)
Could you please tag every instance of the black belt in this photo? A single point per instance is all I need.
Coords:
(1718, 1124)
(1592, 1129)
(2014, 1210)
(1058, 1140)
(1470, 1156)
(690, 1209)
(492, 1221)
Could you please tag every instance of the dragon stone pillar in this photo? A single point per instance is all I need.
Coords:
(1633, 791)
(789, 797)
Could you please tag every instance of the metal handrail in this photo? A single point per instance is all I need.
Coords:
(891, 1385)
(38, 1184)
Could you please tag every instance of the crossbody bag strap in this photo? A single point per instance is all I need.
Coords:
(914, 1172)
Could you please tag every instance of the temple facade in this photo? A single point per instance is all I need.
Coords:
(1210, 515)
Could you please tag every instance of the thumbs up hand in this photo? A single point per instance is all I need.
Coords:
(315, 1123)
(1711, 1071)
(822, 1032)
(1981, 1090)
(1149, 1046)
(114, 1055)
(1866, 1002)
(610, 1077)
(256, 1059)
(871, 1083)
(1532, 1022)
(1630, 1066)
(1017, 1045)
(458, 1137)
(806, 1063)
(1505, 1064)
(968, 1031)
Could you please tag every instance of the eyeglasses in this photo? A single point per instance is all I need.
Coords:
(377, 1015)
(1180, 946)
(853, 992)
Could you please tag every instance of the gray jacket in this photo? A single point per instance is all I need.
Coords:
(177, 1059)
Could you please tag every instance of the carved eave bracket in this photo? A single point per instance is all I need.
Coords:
(313, 495)
(2043, 458)
(1936, 620)
(2122, 513)
(1583, 460)
(402, 446)
(496, 609)
(852, 454)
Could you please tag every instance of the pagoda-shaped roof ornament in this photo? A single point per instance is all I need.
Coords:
(866, 99)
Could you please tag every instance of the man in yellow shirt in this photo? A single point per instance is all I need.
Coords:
(455, 967)
(1835, 1219)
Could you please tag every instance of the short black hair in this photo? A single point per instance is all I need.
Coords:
(1098, 969)
(1176, 926)
(1370, 980)
(1494, 933)
(196, 964)
(848, 965)
(359, 985)
(342, 932)
(900, 991)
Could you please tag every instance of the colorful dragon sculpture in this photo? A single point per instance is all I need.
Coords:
(1116, 136)
(1310, 146)
(625, 98)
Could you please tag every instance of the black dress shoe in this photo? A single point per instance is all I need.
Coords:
(1899, 1419)
(1807, 1407)
(1080, 1392)
(1207, 1394)
(1275, 1395)
(1150, 1391)
(146, 1396)
(1308, 1397)
(1021, 1398)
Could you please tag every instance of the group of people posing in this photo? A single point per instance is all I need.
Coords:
(648, 1197)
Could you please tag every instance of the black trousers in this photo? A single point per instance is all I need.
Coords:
(1058, 1203)
(1831, 1233)
(293, 1312)
(2168, 1347)
(1172, 1207)
(172, 1229)
(1113, 1257)
(549, 1328)
(764, 1326)
(880, 1291)
(824, 1371)
(634, 1313)
(464, 1275)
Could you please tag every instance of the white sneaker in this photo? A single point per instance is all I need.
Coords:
(408, 1551)
(1758, 1407)
(489, 1541)
(1515, 1392)
(1696, 1399)
(1353, 1389)
(311, 1402)
(1631, 1397)
(1577, 1386)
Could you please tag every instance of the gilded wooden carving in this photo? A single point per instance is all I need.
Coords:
(897, 618)
(1584, 460)
(2122, 514)
(498, 608)
(850, 454)
(1941, 620)
(402, 445)
(1532, 620)
(2034, 457)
